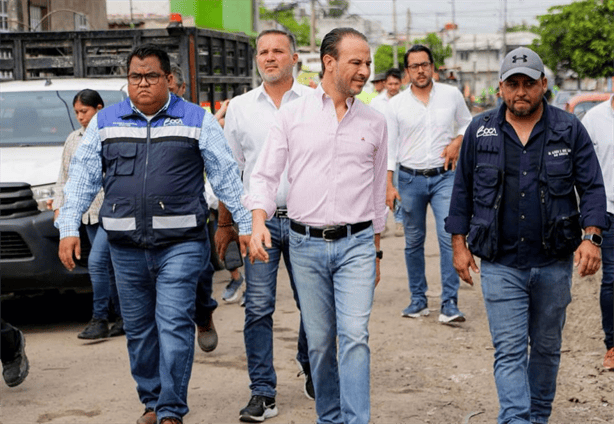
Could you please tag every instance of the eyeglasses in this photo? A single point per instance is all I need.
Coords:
(152, 78)
(423, 65)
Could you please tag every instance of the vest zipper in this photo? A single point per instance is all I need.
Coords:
(144, 202)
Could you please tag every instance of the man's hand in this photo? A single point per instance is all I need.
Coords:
(587, 258)
(221, 113)
(391, 195)
(451, 153)
(463, 259)
(223, 237)
(244, 243)
(68, 246)
(260, 235)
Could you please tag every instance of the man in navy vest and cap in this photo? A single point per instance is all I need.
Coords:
(149, 153)
(514, 206)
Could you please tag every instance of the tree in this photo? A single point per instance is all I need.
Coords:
(284, 14)
(383, 55)
(337, 8)
(578, 37)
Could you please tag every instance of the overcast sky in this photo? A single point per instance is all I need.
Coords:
(472, 16)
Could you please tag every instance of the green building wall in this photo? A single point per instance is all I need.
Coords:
(225, 15)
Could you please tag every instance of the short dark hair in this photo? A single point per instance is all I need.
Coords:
(178, 74)
(394, 72)
(88, 98)
(289, 35)
(148, 49)
(418, 48)
(330, 43)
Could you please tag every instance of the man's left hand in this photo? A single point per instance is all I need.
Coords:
(451, 153)
(587, 258)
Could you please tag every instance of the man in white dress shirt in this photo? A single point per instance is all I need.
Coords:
(248, 120)
(423, 141)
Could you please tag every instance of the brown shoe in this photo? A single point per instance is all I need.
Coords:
(148, 417)
(608, 361)
(170, 420)
(207, 336)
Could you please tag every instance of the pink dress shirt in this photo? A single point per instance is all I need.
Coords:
(336, 170)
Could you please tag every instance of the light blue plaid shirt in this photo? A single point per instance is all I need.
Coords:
(85, 175)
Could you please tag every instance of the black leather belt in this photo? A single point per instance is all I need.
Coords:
(431, 172)
(281, 213)
(332, 232)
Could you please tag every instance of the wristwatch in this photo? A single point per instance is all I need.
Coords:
(379, 254)
(596, 239)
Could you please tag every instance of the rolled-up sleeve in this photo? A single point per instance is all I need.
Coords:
(269, 167)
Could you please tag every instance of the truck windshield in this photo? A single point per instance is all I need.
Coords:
(42, 117)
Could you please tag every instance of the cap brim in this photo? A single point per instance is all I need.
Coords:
(531, 73)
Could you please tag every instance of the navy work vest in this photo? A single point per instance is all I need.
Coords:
(561, 230)
(153, 175)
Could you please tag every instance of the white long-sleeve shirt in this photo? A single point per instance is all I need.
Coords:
(418, 133)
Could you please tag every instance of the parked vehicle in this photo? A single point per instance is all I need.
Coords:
(582, 103)
(561, 97)
(36, 116)
(35, 119)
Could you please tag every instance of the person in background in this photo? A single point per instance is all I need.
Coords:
(86, 104)
(426, 123)
(599, 122)
(177, 85)
(380, 103)
(150, 152)
(514, 205)
(249, 118)
(379, 82)
(336, 206)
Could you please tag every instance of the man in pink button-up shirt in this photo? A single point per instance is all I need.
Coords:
(336, 151)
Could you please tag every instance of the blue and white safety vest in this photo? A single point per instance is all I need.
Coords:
(153, 175)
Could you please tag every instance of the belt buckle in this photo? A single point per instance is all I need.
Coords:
(332, 230)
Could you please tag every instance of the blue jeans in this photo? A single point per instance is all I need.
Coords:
(398, 212)
(205, 304)
(335, 282)
(101, 273)
(526, 309)
(606, 298)
(157, 289)
(416, 193)
(260, 292)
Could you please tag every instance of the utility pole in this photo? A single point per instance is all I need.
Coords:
(395, 53)
(312, 41)
(407, 40)
(504, 28)
(454, 33)
(131, 16)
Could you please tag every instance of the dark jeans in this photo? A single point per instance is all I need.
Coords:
(101, 273)
(205, 304)
(606, 299)
(10, 341)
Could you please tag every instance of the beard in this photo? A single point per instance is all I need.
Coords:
(281, 74)
(346, 88)
(528, 112)
(424, 84)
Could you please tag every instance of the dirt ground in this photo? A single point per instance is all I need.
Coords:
(422, 371)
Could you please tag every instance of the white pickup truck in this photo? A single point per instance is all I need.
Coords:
(35, 119)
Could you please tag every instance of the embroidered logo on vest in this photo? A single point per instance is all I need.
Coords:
(172, 122)
(485, 132)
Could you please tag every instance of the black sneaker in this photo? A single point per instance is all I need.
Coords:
(117, 329)
(95, 329)
(308, 387)
(258, 409)
(16, 371)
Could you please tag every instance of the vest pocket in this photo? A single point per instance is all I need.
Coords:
(176, 218)
(486, 185)
(119, 158)
(560, 178)
(118, 219)
(481, 239)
